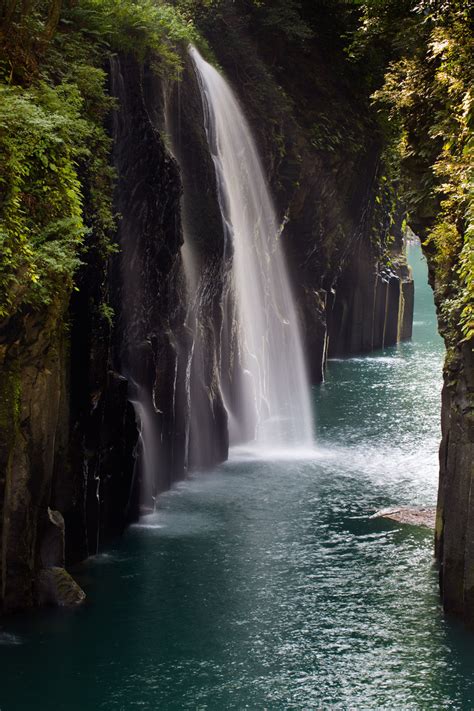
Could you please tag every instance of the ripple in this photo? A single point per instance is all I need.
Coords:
(9, 640)
(266, 584)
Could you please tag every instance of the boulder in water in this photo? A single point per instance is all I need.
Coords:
(56, 587)
(412, 516)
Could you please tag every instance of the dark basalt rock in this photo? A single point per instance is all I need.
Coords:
(54, 585)
(168, 340)
(207, 272)
(455, 514)
(324, 187)
(32, 359)
(69, 437)
(374, 312)
(52, 550)
(151, 340)
(63, 426)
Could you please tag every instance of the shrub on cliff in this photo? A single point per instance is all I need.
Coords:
(419, 57)
(56, 180)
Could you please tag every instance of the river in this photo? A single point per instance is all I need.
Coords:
(266, 584)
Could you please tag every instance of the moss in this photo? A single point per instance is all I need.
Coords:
(55, 586)
(439, 524)
(10, 398)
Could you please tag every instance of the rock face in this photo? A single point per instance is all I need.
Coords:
(32, 359)
(412, 517)
(207, 271)
(455, 514)
(72, 400)
(151, 341)
(56, 587)
(168, 343)
(61, 431)
(52, 550)
(325, 183)
(372, 312)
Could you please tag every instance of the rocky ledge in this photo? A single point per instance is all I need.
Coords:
(412, 516)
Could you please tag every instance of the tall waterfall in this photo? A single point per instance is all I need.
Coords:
(275, 391)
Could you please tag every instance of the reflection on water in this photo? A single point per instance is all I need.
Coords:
(266, 584)
(9, 639)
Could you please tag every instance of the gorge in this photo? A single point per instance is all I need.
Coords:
(265, 581)
(216, 364)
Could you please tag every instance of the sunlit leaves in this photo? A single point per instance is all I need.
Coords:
(41, 223)
(428, 95)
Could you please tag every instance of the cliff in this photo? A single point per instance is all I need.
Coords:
(455, 514)
(113, 391)
(324, 156)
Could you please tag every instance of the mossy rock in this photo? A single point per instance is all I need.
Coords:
(56, 587)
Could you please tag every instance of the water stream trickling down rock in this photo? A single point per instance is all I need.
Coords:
(272, 404)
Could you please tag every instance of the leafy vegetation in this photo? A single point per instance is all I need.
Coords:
(413, 57)
(56, 178)
(426, 94)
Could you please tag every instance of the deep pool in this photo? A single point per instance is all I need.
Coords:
(266, 584)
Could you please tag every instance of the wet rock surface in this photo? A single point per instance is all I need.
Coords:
(32, 360)
(411, 516)
(325, 189)
(53, 541)
(55, 586)
(455, 515)
(68, 430)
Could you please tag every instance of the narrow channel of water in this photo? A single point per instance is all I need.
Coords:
(266, 584)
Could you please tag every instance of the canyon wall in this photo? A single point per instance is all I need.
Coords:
(323, 154)
(78, 392)
(454, 537)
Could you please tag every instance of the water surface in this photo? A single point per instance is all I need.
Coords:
(265, 584)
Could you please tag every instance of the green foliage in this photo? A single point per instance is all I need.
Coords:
(427, 97)
(40, 210)
(56, 179)
(466, 274)
(56, 183)
(330, 134)
(285, 17)
(107, 313)
(138, 27)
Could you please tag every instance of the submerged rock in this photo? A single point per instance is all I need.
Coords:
(57, 587)
(412, 516)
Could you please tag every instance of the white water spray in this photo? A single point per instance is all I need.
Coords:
(275, 391)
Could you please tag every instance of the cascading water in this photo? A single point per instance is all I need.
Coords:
(275, 390)
(135, 352)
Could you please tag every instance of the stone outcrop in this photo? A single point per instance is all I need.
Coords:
(52, 550)
(32, 360)
(64, 482)
(151, 340)
(455, 514)
(69, 434)
(207, 264)
(412, 517)
(169, 311)
(354, 290)
(56, 587)
(373, 311)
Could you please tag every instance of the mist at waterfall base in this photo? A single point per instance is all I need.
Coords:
(266, 584)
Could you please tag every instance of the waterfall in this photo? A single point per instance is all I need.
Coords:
(274, 392)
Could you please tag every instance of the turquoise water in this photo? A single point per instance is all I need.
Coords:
(265, 584)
